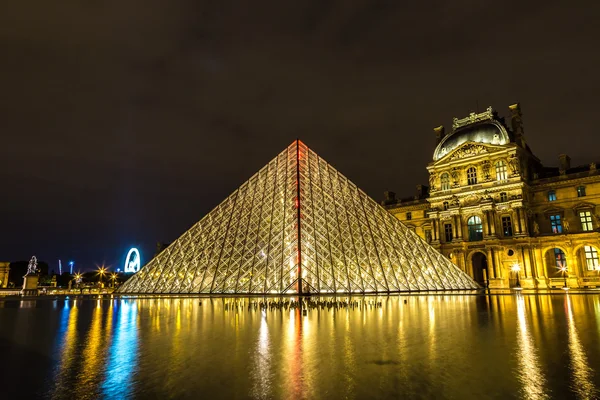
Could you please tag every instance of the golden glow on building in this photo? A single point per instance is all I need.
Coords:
(491, 204)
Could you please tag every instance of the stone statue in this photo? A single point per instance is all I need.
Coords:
(432, 179)
(566, 225)
(455, 202)
(454, 174)
(514, 164)
(485, 166)
(536, 228)
(32, 267)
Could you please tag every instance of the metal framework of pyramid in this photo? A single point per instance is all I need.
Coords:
(298, 226)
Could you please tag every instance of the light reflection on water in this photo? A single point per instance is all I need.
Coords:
(438, 346)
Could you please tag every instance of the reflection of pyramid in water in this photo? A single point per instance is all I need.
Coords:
(249, 243)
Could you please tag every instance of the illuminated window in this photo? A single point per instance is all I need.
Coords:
(446, 205)
(559, 258)
(503, 197)
(552, 195)
(475, 229)
(448, 232)
(556, 223)
(591, 258)
(445, 181)
(586, 221)
(409, 215)
(507, 226)
(501, 173)
(580, 191)
(472, 176)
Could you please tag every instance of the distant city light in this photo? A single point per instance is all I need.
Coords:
(133, 261)
(71, 263)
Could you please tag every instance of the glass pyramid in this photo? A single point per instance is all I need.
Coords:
(298, 226)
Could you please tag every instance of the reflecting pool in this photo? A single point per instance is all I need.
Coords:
(423, 347)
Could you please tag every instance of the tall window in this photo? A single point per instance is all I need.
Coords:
(475, 229)
(552, 195)
(409, 215)
(501, 173)
(559, 258)
(472, 176)
(580, 191)
(586, 221)
(428, 235)
(556, 223)
(446, 205)
(507, 226)
(591, 258)
(445, 181)
(448, 232)
(503, 197)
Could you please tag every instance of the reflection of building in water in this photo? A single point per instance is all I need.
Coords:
(584, 382)
(4, 268)
(491, 204)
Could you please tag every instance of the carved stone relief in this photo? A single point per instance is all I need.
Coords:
(468, 150)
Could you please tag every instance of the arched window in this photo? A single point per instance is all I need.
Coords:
(446, 205)
(475, 229)
(591, 258)
(501, 172)
(560, 259)
(472, 176)
(445, 181)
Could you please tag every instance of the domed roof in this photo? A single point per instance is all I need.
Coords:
(490, 132)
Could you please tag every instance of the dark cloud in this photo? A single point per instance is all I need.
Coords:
(125, 122)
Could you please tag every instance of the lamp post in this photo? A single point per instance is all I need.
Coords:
(101, 272)
(77, 279)
(564, 273)
(516, 268)
(113, 278)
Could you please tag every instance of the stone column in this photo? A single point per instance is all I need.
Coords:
(485, 224)
(459, 226)
(526, 264)
(539, 262)
(524, 229)
(493, 222)
(491, 263)
(519, 213)
(499, 265)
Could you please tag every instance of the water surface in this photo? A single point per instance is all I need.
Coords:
(437, 346)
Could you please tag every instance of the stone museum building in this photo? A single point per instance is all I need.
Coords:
(499, 214)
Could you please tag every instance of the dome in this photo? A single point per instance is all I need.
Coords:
(490, 132)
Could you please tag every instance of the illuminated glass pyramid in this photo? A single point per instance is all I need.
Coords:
(298, 226)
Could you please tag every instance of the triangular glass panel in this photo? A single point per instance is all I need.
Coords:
(298, 226)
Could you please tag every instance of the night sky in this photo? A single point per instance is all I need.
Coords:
(124, 122)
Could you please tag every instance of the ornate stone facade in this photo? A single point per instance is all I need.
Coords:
(502, 216)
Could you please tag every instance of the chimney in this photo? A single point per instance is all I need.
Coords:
(439, 134)
(389, 197)
(516, 122)
(421, 191)
(564, 163)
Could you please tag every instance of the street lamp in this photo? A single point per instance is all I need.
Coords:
(77, 278)
(101, 272)
(516, 268)
(564, 273)
(113, 278)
